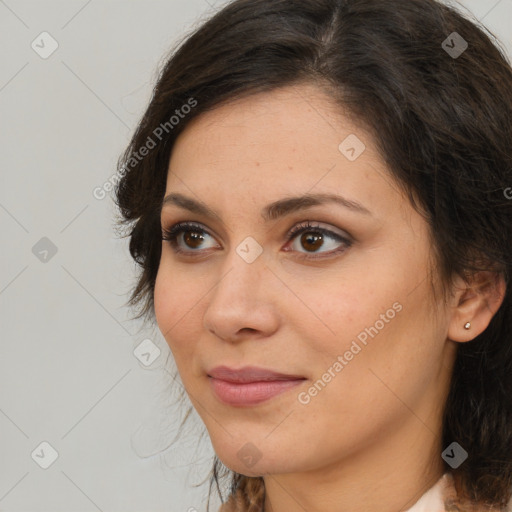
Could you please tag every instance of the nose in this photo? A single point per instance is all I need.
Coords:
(244, 302)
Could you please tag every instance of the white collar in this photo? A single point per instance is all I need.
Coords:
(434, 499)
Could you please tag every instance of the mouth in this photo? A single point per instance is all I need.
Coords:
(250, 385)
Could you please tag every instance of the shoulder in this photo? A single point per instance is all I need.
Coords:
(227, 507)
(442, 497)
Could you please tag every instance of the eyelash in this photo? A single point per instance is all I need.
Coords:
(170, 235)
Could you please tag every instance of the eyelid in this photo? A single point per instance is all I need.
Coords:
(313, 225)
(345, 240)
(170, 234)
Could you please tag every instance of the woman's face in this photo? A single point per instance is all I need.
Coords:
(345, 313)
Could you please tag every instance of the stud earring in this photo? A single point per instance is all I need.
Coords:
(467, 325)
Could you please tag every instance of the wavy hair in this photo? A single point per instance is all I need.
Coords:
(443, 124)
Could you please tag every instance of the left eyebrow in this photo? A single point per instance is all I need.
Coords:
(292, 204)
(274, 210)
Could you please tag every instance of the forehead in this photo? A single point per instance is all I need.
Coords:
(290, 123)
(284, 142)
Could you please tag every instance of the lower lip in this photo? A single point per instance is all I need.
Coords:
(251, 393)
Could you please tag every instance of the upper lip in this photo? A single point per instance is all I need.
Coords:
(249, 374)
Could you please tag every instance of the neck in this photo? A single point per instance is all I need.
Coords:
(389, 475)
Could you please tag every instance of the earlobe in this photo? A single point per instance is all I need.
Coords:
(475, 302)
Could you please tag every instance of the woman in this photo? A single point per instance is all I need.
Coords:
(318, 196)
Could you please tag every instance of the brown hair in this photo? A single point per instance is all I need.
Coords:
(443, 124)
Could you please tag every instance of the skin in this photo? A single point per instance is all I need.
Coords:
(370, 439)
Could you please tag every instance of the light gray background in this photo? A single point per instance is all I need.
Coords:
(69, 375)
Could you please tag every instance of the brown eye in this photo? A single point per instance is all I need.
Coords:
(189, 240)
(192, 239)
(311, 242)
(313, 238)
(186, 238)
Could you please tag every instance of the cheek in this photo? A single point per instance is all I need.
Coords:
(177, 319)
(373, 321)
(173, 305)
(343, 309)
(163, 303)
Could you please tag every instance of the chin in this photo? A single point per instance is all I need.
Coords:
(254, 460)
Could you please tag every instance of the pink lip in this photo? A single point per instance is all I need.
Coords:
(249, 374)
(249, 385)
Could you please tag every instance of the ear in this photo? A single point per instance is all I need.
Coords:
(474, 301)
